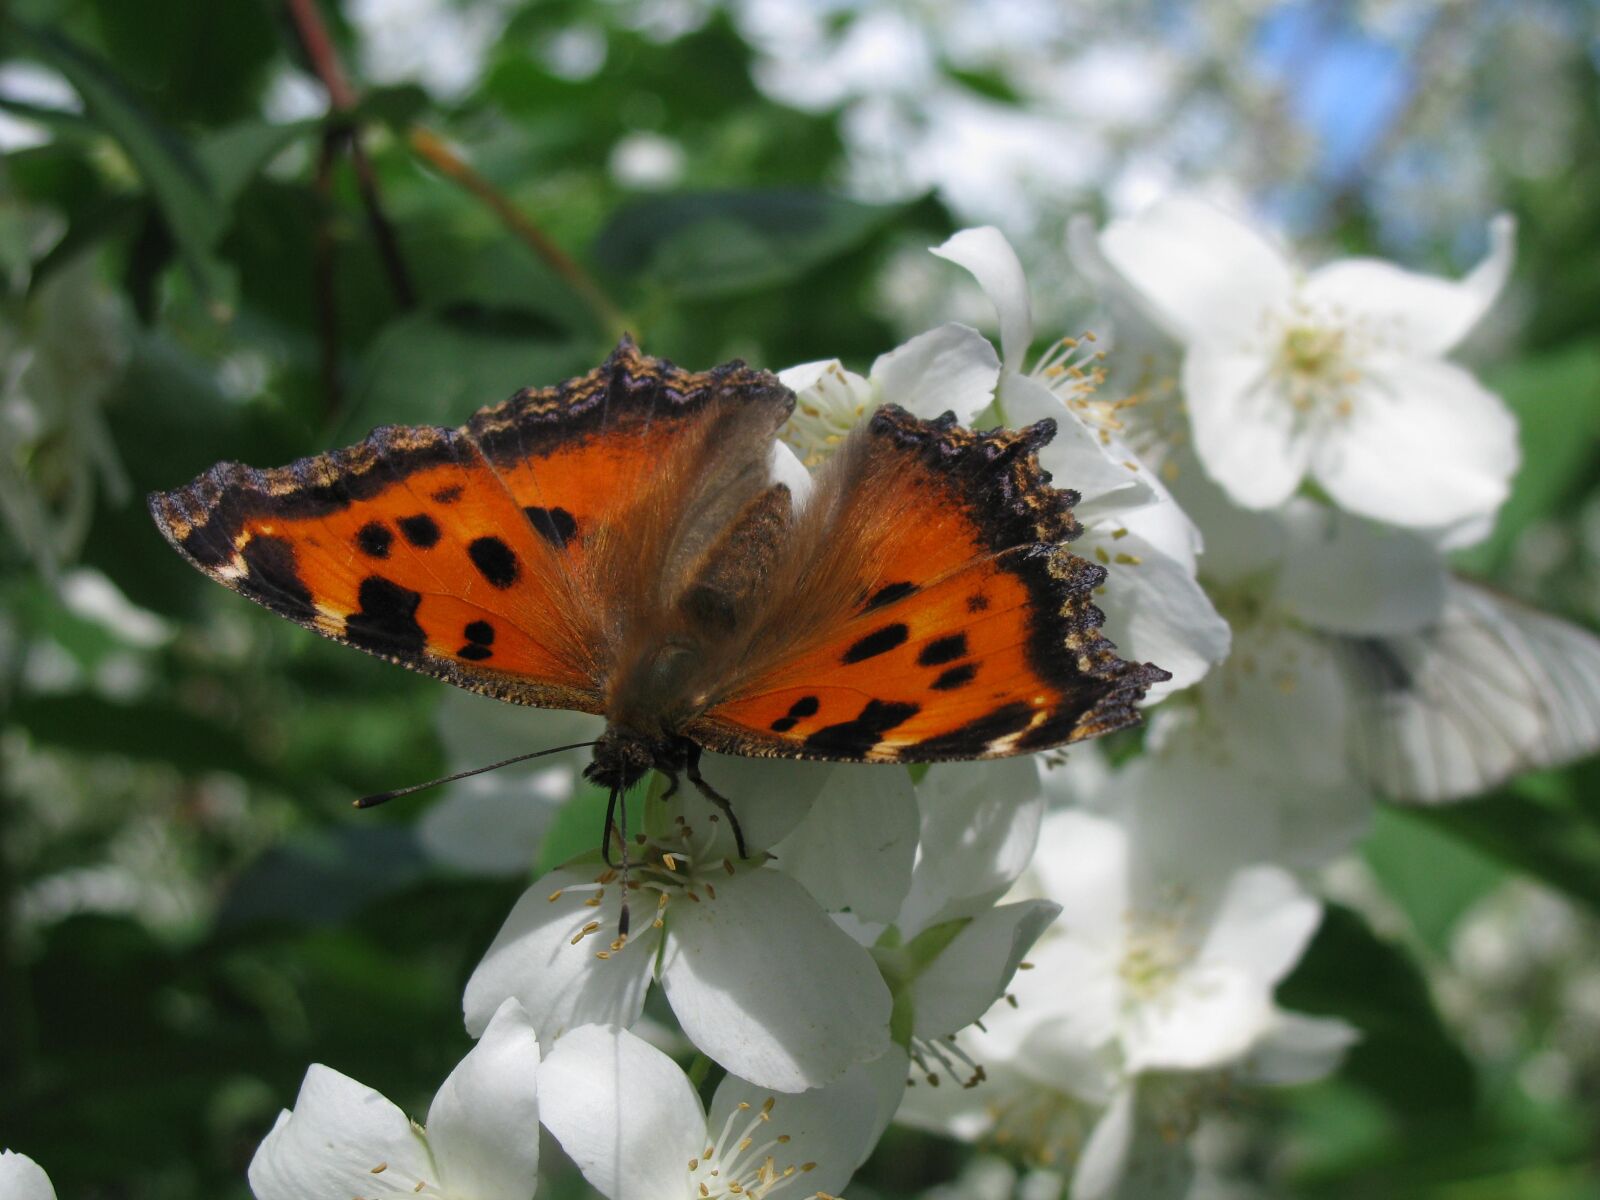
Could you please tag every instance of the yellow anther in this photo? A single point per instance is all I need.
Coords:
(555, 895)
(1129, 560)
(379, 1169)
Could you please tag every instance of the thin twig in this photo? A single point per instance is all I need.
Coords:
(324, 59)
(447, 162)
(325, 276)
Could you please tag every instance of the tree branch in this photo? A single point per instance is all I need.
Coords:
(447, 162)
(324, 59)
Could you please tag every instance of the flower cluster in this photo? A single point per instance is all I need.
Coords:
(1073, 961)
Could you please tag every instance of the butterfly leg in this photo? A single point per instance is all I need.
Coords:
(716, 797)
(672, 783)
(617, 822)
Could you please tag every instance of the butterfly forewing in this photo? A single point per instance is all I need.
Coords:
(468, 554)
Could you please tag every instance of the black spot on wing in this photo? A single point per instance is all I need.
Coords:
(973, 738)
(387, 622)
(494, 560)
(889, 593)
(447, 495)
(555, 525)
(942, 650)
(272, 577)
(879, 641)
(480, 636)
(955, 677)
(804, 707)
(977, 602)
(853, 739)
(422, 531)
(373, 539)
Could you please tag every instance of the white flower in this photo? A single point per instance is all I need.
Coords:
(1155, 610)
(1153, 985)
(629, 1118)
(493, 824)
(481, 1141)
(1358, 657)
(23, 1179)
(949, 369)
(758, 976)
(1337, 375)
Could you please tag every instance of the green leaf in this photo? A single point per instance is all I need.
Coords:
(1556, 398)
(149, 730)
(438, 368)
(232, 157)
(1406, 1056)
(325, 879)
(173, 175)
(719, 244)
(1434, 876)
(1531, 827)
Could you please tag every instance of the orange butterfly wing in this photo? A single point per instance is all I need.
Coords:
(461, 552)
(969, 631)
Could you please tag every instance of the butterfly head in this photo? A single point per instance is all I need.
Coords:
(622, 757)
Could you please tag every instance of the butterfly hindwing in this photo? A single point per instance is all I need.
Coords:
(933, 611)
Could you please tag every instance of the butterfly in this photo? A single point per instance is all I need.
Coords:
(616, 545)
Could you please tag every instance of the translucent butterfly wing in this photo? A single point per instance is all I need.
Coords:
(1491, 689)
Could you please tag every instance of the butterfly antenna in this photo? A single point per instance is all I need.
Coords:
(378, 798)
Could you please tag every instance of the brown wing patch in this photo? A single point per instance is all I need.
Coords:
(968, 629)
(579, 456)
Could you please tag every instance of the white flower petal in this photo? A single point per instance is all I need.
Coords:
(1262, 927)
(980, 822)
(854, 851)
(804, 375)
(493, 825)
(835, 1127)
(770, 797)
(972, 972)
(1239, 542)
(1348, 576)
(1105, 1156)
(765, 984)
(1155, 609)
(562, 985)
(1299, 1049)
(1200, 801)
(786, 468)
(1247, 434)
(1424, 445)
(1077, 457)
(985, 252)
(623, 1112)
(1063, 1044)
(327, 1147)
(1207, 275)
(1082, 864)
(1278, 706)
(1421, 314)
(1208, 1017)
(483, 1126)
(23, 1179)
(949, 369)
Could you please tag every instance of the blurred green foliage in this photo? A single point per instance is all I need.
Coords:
(246, 922)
